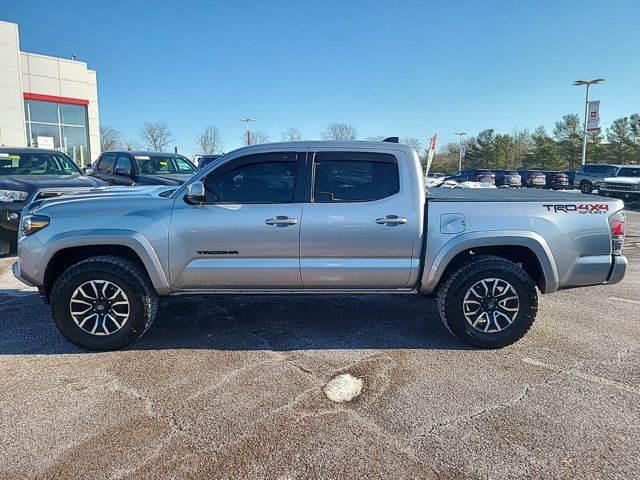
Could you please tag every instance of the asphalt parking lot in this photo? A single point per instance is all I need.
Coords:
(233, 387)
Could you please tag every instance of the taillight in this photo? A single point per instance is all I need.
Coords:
(616, 225)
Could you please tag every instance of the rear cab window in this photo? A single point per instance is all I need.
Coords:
(354, 177)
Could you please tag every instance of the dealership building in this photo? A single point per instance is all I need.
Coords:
(47, 102)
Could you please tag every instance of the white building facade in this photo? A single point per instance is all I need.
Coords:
(47, 102)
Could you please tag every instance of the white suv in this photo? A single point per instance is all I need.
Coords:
(625, 185)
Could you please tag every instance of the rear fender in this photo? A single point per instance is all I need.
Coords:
(435, 266)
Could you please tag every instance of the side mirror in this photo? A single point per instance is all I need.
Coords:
(125, 172)
(89, 170)
(195, 193)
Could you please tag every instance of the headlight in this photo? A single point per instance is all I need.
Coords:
(33, 223)
(13, 196)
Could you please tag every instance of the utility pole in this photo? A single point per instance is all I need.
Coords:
(588, 83)
(460, 134)
(246, 121)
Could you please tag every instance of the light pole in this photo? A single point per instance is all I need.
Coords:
(246, 121)
(460, 134)
(588, 83)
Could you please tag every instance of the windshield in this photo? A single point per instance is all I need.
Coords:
(36, 163)
(164, 164)
(629, 172)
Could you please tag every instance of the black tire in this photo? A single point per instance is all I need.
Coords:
(586, 187)
(451, 301)
(126, 275)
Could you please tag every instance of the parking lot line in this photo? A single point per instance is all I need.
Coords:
(626, 300)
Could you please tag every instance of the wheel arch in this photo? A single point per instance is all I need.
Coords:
(526, 248)
(71, 248)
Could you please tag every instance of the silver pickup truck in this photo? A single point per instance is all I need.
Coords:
(314, 218)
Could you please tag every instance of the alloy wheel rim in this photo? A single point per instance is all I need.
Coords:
(491, 305)
(99, 307)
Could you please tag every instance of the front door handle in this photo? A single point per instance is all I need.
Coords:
(281, 221)
(391, 220)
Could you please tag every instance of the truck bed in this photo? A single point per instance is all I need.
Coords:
(506, 195)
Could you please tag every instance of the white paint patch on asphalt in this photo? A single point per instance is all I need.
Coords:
(626, 300)
(584, 376)
(343, 388)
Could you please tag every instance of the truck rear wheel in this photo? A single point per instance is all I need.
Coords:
(488, 302)
(104, 303)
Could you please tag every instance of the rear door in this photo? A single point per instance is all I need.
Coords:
(358, 222)
(247, 233)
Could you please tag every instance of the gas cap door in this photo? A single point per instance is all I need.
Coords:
(452, 223)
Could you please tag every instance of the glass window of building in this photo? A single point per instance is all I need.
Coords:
(58, 126)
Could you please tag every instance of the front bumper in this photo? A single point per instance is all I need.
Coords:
(18, 274)
(621, 194)
(618, 269)
(9, 225)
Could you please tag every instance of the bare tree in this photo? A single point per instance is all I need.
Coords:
(292, 135)
(209, 140)
(109, 138)
(156, 136)
(257, 138)
(129, 144)
(415, 144)
(340, 131)
(375, 138)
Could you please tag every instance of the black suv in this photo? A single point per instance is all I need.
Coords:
(142, 168)
(23, 171)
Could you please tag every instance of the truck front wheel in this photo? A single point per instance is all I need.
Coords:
(103, 303)
(488, 302)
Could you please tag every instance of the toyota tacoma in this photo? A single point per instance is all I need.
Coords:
(314, 218)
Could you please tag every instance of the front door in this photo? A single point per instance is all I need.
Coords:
(120, 175)
(247, 232)
(360, 222)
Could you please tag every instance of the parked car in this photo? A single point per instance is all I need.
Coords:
(507, 178)
(533, 178)
(590, 176)
(557, 180)
(572, 175)
(206, 160)
(472, 175)
(368, 226)
(142, 168)
(22, 172)
(625, 185)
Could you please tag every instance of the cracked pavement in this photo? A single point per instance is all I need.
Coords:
(231, 387)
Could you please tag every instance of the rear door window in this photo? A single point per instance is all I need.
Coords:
(354, 177)
(123, 162)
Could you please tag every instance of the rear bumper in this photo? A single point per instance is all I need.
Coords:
(618, 269)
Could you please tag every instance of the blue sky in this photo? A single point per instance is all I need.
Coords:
(405, 68)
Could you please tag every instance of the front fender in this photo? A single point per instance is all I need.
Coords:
(34, 258)
(435, 265)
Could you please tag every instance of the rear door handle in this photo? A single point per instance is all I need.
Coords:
(281, 221)
(391, 220)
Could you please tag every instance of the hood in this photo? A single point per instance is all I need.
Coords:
(31, 183)
(61, 195)
(163, 179)
(623, 180)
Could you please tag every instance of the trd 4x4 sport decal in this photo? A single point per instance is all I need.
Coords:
(583, 208)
